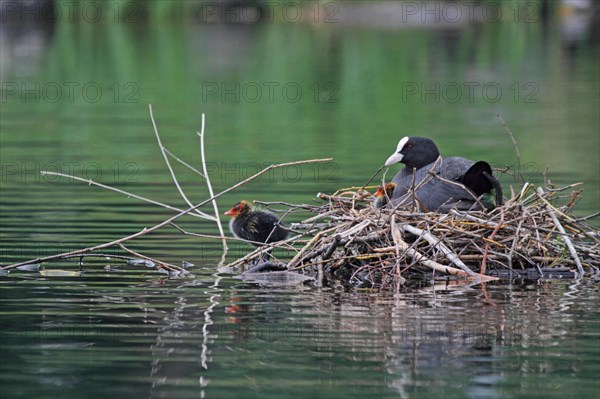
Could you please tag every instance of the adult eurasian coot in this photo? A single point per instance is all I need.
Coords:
(441, 183)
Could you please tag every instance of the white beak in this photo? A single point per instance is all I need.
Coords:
(397, 157)
(394, 158)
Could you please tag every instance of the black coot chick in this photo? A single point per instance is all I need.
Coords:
(383, 195)
(458, 182)
(255, 225)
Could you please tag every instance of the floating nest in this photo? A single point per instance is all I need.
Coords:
(533, 235)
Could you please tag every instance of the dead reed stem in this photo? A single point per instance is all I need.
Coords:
(165, 222)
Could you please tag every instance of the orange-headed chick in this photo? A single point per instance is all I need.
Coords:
(383, 195)
(255, 225)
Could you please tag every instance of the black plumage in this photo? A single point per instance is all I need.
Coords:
(441, 183)
(255, 225)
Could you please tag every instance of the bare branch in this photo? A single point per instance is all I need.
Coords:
(209, 185)
(166, 158)
(94, 183)
(165, 222)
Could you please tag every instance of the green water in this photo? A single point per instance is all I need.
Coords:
(272, 93)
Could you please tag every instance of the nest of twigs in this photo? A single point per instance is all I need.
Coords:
(535, 233)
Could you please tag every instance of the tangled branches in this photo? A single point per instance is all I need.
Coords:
(367, 247)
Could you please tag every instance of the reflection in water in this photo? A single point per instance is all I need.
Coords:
(25, 33)
(576, 18)
(223, 48)
(128, 331)
(184, 330)
(469, 342)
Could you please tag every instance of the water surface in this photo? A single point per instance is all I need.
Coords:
(121, 330)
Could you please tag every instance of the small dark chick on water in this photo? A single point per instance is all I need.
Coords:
(254, 225)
